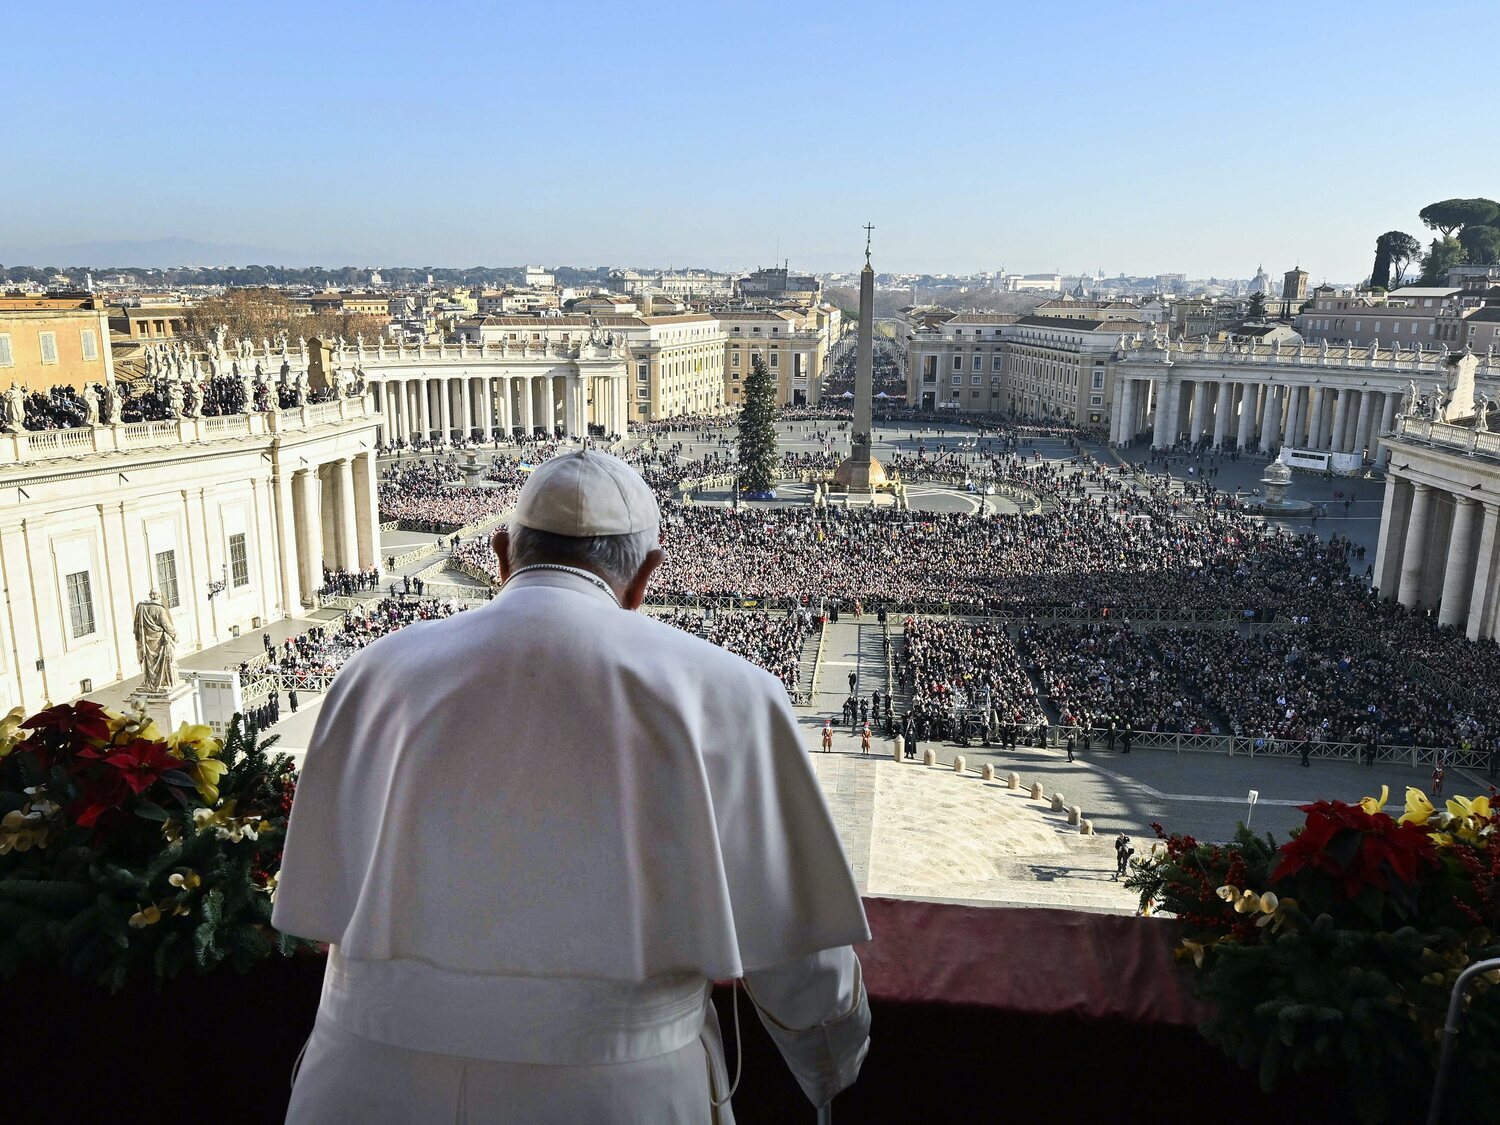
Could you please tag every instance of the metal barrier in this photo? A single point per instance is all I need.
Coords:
(1251, 746)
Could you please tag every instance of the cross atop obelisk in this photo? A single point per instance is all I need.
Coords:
(868, 228)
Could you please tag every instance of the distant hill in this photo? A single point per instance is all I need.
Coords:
(159, 253)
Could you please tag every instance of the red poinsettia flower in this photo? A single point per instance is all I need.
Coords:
(140, 762)
(97, 797)
(84, 719)
(1356, 849)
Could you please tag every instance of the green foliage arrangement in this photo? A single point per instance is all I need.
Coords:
(127, 855)
(1337, 951)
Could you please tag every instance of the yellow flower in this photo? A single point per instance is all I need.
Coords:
(1247, 903)
(195, 739)
(10, 730)
(1228, 893)
(205, 773)
(145, 916)
(21, 830)
(1195, 950)
(1462, 807)
(138, 725)
(1418, 807)
(186, 882)
(1371, 805)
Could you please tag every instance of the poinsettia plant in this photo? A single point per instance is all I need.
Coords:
(1338, 949)
(127, 853)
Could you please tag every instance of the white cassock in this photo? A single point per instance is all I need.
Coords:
(534, 833)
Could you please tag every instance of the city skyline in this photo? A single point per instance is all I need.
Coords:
(972, 139)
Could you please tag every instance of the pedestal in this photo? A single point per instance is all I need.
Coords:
(169, 708)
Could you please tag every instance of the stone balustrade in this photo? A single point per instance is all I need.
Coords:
(45, 445)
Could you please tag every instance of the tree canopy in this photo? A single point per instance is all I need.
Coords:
(1394, 251)
(1448, 215)
(1481, 243)
(256, 314)
(1442, 255)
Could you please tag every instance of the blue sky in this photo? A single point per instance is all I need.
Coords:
(1147, 137)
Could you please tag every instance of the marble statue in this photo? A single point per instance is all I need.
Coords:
(113, 404)
(221, 333)
(174, 399)
(1412, 395)
(1482, 415)
(190, 401)
(304, 388)
(14, 402)
(247, 389)
(90, 404)
(155, 644)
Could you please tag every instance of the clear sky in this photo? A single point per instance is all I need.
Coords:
(1147, 137)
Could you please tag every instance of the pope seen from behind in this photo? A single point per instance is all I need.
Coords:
(535, 832)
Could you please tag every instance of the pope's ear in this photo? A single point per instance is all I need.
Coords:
(500, 544)
(635, 589)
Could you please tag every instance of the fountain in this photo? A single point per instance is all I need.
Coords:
(1278, 477)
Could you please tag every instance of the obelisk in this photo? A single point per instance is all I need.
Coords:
(864, 378)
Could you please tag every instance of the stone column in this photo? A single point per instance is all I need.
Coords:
(1362, 437)
(570, 406)
(424, 403)
(1200, 408)
(445, 407)
(306, 489)
(1395, 509)
(1270, 431)
(1458, 575)
(487, 407)
(1314, 416)
(1127, 410)
(1483, 597)
(1223, 407)
(1246, 435)
(1340, 415)
(1117, 412)
(1289, 432)
(346, 526)
(1414, 552)
(1161, 428)
(466, 406)
(527, 423)
(367, 510)
(506, 411)
(1387, 424)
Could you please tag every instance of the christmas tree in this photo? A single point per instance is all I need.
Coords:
(757, 442)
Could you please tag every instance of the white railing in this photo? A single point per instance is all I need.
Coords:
(1298, 355)
(1446, 434)
(44, 445)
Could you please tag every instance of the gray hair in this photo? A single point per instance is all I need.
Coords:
(617, 557)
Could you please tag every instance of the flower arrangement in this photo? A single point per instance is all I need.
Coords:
(1337, 951)
(127, 854)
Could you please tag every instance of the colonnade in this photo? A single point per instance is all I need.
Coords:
(335, 521)
(458, 406)
(1440, 549)
(1253, 415)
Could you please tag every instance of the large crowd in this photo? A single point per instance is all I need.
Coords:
(63, 406)
(309, 660)
(772, 641)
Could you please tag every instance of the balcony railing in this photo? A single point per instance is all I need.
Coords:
(46, 445)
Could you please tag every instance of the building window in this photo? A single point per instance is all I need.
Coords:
(239, 560)
(958, 363)
(974, 379)
(734, 360)
(775, 359)
(1098, 380)
(80, 604)
(995, 362)
(5, 357)
(166, 579)
(1096, 400)
(90, 342)
(979, 363)
(48, 342)
(958, 381)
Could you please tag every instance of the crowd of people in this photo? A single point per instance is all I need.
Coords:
(347, 583)
(65, 407)
(952, 667)
(310, 659)
(773, 641)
